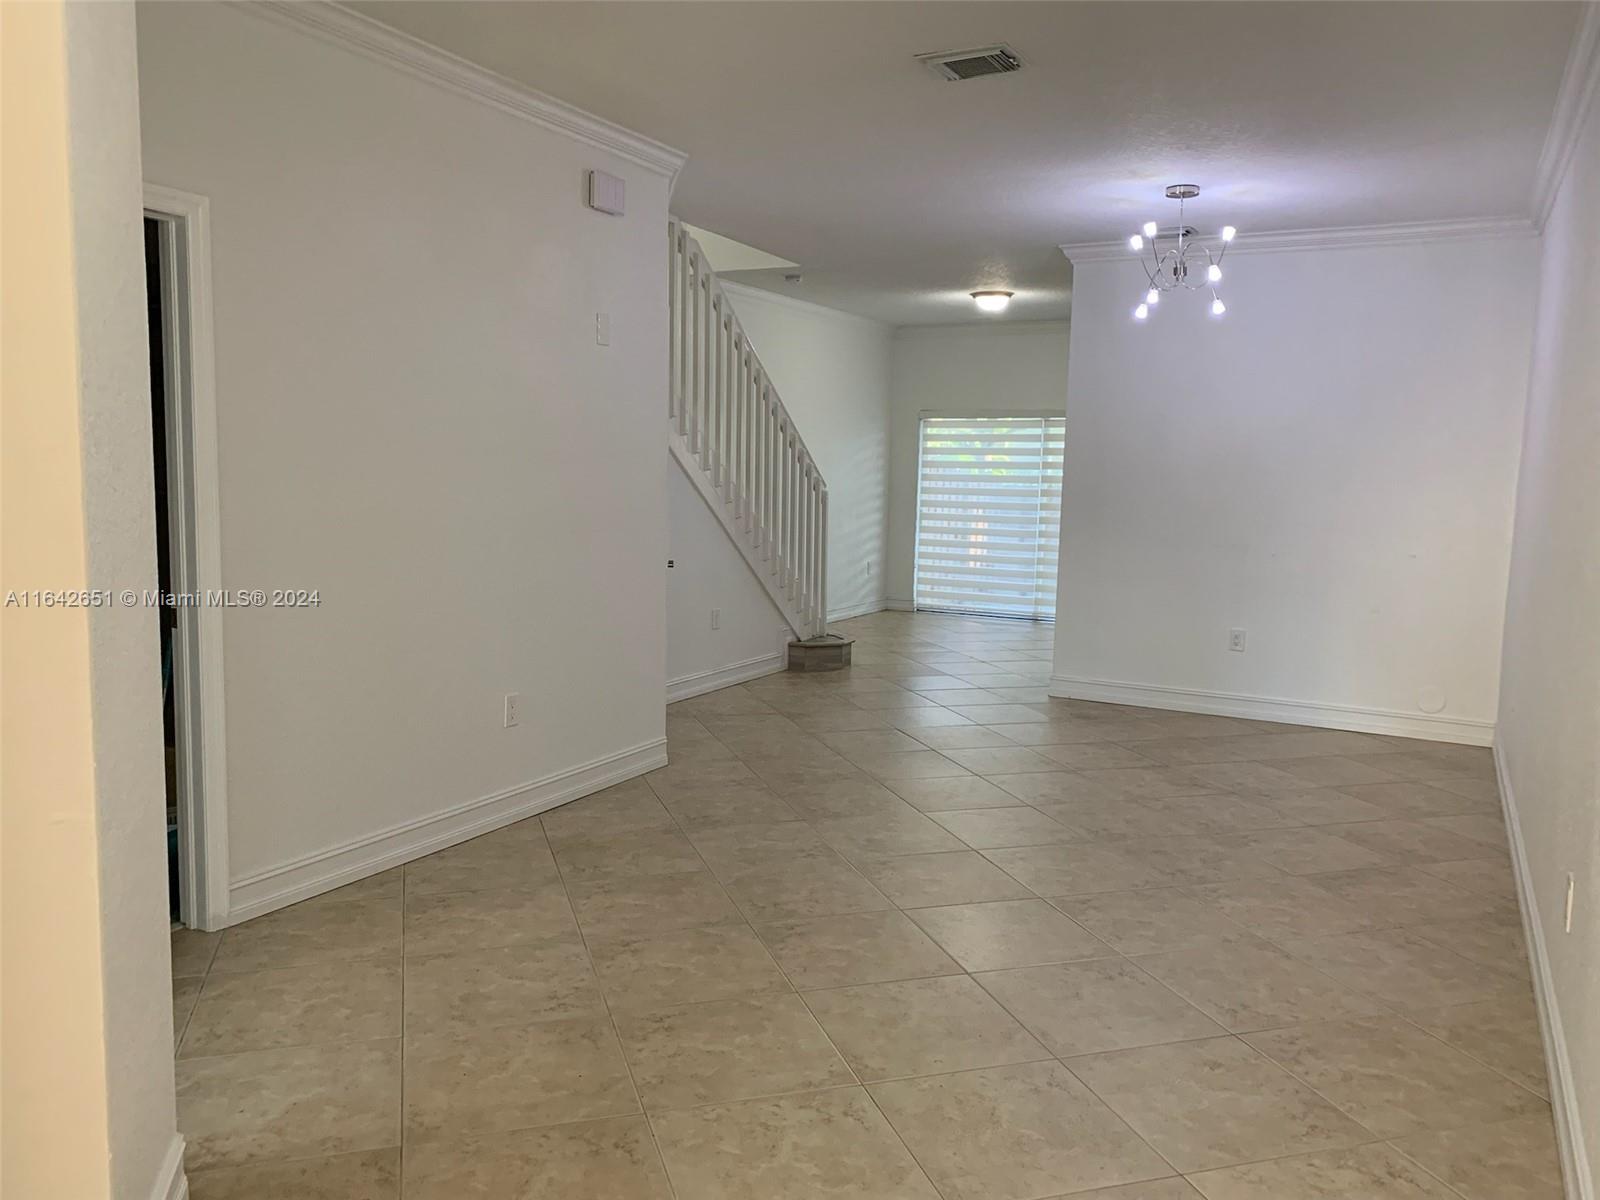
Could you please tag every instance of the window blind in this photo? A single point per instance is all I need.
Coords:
(989, 515)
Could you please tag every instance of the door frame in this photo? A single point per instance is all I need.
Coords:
(194, 514)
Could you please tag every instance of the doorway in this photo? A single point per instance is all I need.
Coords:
(188, 558)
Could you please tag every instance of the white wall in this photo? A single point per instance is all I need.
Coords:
(1330, 467)
(1549, 735)
(709, 573)
(85, 981)
(961, 370)
(414, 419)
(832, 371)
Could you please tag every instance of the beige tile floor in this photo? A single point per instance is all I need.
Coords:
(910, 930)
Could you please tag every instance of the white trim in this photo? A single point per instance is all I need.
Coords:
(195, 491)
(857, 610)
(1579, 82)
(701, 682)
(324, 870)
(1267, 708)
(1341, 238)
(171, 1183)
(810, 306)
(1558, 1063)
(371, 39)
(896, 605)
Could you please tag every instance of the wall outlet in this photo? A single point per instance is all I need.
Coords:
(602, 329)
(1567, 916)
(716, 618)
(1236, 640)
(513, 709)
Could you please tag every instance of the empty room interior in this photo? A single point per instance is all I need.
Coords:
(800, 600)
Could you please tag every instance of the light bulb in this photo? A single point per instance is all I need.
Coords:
(1152, 297)
(1213, 274)
(1149, 229)
(991, 302)
(1136, 242)
(1228, 232)
(1218, 307)
(1141, 312)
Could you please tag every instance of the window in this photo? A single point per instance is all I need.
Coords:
(989, 515)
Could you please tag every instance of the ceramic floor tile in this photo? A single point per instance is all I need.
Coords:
(438, 924)
(733, 849)
(684, 966)
(1493, 941)
(627, 808)
(1151, 921)
(728, 1050)
(1310, 851)
(1075, 869)
(303, 1102)
(1220, 813)
(364, 1175)
(1149, 783)
(608, 1160)
(1410, 799)
(300, 935)
(809, 886)
(192, 949)
(491, 862)
(504, 985)
(1410, 842)
(729, 804)
(636, 852)
(921, 1027)
(1403, 968)
(860, 948)
(965, 736)
(185, 992)
(1285, 906)
(1362, 1173)
(494, 1080)
(1511, 1160)
(1107, 1004)
(956, 877)
(1324, 806)
(1173, 1188)
(1488, 830)
(357, 1001)
(994, 828)
(1196, 859)
(882, 834)
(818, 801)
(1215, 1103)
(1332, 771)
(643, 904)
(942, 795)
(1088, 756)
(1503, 1034)
(1002, 760)
(1008, 933)
(1252, 985)
(1486, 876)
(1404, 896)
(1393, 1078)
(833, 1143)
(1007, 1133)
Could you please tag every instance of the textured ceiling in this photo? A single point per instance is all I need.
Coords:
(813, 133)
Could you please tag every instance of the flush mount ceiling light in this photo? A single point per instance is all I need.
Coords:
(991, 302)
(1178, 259)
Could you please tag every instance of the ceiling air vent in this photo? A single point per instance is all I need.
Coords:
(970, 64)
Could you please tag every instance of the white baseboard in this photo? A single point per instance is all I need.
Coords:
(1266, 708)
(894, 605)
(1558, 1064)
(316, 873)
(171, 1183)
(701, 682)
(857, 610)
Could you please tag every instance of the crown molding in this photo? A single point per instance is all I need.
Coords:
(371, 39)
(1340, 238)
(1579, 82)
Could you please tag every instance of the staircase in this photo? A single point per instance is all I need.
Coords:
(738, 444)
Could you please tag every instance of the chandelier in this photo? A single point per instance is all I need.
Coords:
(1178, 259)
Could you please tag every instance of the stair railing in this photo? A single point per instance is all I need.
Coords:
(725, 412)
